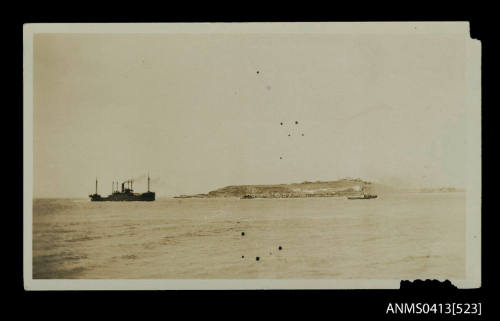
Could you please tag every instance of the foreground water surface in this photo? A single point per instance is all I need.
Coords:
(399, 236)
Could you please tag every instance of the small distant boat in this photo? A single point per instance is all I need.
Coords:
(246, 197)
(362, 197)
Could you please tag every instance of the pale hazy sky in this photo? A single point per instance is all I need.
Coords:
(203, 111)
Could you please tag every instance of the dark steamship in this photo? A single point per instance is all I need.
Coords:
(126, 194)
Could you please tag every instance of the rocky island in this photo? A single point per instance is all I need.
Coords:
(342, 187)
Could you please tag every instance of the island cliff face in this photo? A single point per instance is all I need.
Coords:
(343, 187)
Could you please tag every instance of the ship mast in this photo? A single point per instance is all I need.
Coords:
(148, 182)
(96, 185)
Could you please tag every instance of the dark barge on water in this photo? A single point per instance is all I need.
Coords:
(125, 195)
(362, 197)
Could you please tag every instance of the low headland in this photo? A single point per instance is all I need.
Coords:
(339, 188)
(342, 187)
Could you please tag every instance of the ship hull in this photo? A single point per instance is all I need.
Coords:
(125, 197)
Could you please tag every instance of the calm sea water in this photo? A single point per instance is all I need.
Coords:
(399, 236)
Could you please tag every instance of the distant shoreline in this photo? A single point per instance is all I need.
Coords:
(339, 188)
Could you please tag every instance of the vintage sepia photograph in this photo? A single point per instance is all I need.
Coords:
(251, 155)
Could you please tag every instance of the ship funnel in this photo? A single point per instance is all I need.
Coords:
(123, 187)
(96, 185)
